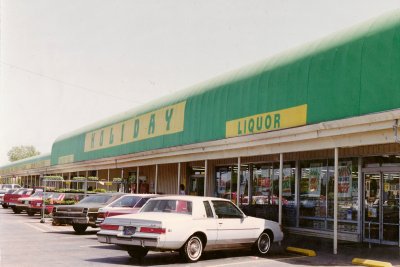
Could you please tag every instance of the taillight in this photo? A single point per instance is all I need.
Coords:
(152, 230)
(109, 227)
(100, 215)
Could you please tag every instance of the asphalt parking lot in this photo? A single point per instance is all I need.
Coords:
(24, 241)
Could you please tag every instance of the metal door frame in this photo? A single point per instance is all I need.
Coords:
(381, 171)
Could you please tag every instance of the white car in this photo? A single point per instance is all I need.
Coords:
(190, 225)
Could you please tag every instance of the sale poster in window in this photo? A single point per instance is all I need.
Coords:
(286, 182)
(344, 181)
(314, 184)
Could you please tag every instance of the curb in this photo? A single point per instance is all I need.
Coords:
(371, 263)
(302, 251)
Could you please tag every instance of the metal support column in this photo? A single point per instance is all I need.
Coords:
(122, 180)
(238, 182)
(179, 177)
(137, 180)
(156, 180)
(205, 176)
(297, 192)
(360, 196)
(108, 180)
(335, 202)
(69, 180)
(280, 188)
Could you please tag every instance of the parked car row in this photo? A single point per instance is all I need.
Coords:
(140, 223)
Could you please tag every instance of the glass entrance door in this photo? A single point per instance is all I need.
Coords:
(372, 185)
(390, 208)
(381, 208)
(196, 185)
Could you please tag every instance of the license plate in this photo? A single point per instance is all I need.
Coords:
(26, 202)
(129, 230)
(37, 204)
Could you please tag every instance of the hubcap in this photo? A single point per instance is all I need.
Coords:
(263, 243)
(194, 248)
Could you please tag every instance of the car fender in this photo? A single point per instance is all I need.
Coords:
(178, 232)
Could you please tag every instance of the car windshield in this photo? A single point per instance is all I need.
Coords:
(20, 191)
(96, 199)
(37, 194)
(53, 195)
(126, 201)
(168, 205)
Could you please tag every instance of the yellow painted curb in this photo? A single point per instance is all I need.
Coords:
(302, 251)
(371, 263)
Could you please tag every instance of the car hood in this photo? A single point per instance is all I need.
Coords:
(29, 198)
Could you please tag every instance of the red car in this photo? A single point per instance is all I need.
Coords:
(35, 202)
(12, 199)
(124, 205)
(2, 193)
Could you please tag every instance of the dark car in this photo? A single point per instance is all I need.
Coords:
(84, 213)
(128, 204)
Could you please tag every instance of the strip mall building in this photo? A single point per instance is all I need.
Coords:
(306, 130)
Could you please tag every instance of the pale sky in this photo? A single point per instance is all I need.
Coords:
(68, 63)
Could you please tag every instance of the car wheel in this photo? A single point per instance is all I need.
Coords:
(79, 228)
(5, 206)
(192, 249)
(263, 244)
(16, 211)
(30, 213)
(137, 252)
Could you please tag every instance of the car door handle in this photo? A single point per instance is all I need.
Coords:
(220, 223)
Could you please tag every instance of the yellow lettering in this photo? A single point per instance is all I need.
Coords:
(275, 120)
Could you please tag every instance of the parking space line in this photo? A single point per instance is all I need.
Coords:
(34, 227)
(54, 228)
(258, 260)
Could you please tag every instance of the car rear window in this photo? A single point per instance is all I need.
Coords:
(168, 205)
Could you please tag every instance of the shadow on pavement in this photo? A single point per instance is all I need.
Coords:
(346, 251)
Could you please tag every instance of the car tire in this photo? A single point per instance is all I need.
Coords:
(80, 228)
(5, 206)
(16, 210)
(137, 252)
(192, 249)
(30, 213)
(263, 244)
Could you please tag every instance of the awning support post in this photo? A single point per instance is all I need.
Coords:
(335, 202)
(280, 188)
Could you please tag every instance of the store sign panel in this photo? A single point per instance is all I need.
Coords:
(265, 122)
(167, 120)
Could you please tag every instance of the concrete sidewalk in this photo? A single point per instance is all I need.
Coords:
(347, 251)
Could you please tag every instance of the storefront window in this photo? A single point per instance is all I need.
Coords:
(262, 184)
(266, 184)
(226, 182)
(317, 195)
(347, 197)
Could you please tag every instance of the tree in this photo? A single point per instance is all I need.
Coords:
(21, 152)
